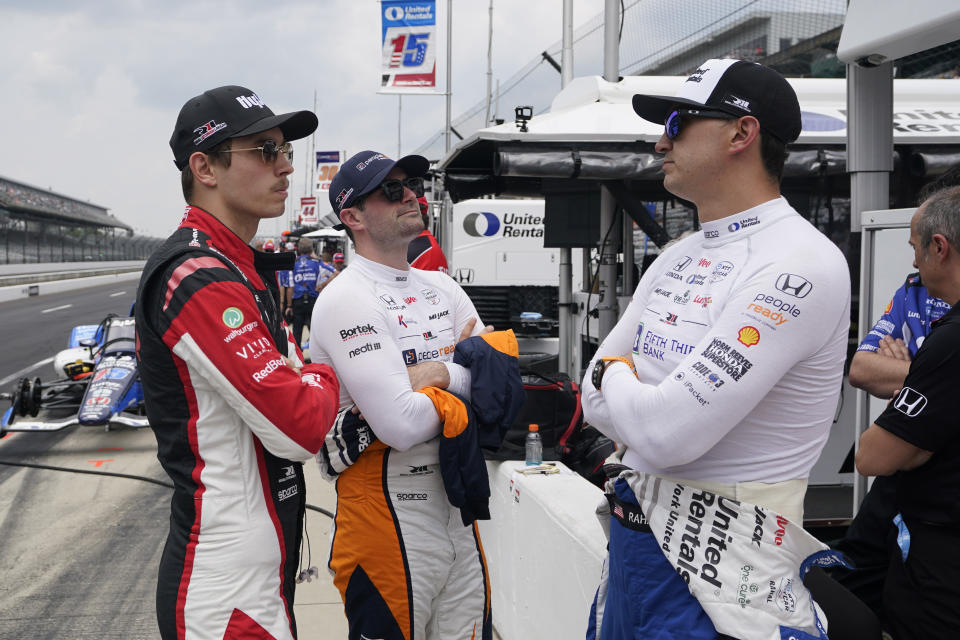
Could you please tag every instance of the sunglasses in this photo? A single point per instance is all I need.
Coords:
(393, 188)
(672, 126)
(269, 151)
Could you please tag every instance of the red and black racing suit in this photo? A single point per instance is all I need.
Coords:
(231, 420)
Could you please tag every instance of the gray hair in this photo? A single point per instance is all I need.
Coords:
(941, 214)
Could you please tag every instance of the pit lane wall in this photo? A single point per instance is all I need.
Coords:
(27, 280)
(545, 549)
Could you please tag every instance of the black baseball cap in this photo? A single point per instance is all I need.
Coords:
(737, 87)
(229, 112)
(364, 172)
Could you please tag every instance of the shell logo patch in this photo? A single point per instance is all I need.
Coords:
(748, 336)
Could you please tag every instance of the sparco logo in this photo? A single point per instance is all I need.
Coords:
(359, 330)
(794, 285)
(910, 402)
(411, 496)
(289, 492)
(268, 368)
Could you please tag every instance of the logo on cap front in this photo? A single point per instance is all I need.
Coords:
(697, 76)
(253, 100)
(208, 129)
(363, 165)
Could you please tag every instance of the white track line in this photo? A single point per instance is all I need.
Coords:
(63, 306)
(118, 293)
(23, 372)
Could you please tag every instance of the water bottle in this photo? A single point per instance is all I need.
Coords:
(534, 445)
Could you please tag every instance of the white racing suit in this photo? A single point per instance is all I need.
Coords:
(738, 334)
(404, 563)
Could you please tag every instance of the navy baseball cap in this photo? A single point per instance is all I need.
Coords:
(737, 87)
(229, 112)
(364, 172)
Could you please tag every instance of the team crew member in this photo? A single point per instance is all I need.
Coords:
(306, 275)
(725, 370)
(424, 251)
(879, 367)
(406, 566)
(916, 436)
(232, 406)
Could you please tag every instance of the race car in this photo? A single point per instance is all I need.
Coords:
(99, 384)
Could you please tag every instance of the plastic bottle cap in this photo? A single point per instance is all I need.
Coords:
(534, 427)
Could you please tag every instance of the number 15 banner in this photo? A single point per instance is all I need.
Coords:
(409, 39)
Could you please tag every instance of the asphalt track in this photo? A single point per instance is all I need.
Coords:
(79, 553)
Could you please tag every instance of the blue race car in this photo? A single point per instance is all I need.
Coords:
(100, 385)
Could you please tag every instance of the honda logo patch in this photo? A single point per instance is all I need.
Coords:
(910, 402)
(794, 285)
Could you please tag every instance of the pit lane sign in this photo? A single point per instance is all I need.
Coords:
(408, 46)
(308, 210)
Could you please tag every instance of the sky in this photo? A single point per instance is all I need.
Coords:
(91, 90)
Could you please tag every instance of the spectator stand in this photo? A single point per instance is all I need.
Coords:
(38, 225)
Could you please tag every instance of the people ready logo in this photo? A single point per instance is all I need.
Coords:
(483, 224)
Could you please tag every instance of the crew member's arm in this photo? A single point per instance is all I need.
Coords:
(881, 373)
(882, 359)
(921, 418)
(880, 453)
(221, 339)
(683, 416)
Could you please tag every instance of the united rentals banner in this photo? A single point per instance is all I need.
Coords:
(328, 163)
(409, 41)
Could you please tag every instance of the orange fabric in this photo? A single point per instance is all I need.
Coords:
(503, 341)
(486, 570)
(451, 411)
(365, 529)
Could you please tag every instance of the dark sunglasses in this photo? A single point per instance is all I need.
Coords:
(672, 126)
(269, 151)
(393, 188)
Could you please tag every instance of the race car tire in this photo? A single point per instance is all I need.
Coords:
(19, 397)
(34, 392)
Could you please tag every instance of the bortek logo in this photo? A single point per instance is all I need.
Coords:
(481, 224)
(441, 314)
(370, 346)
(253, 100)
(910, 402)
(268, 368)
(794, 285)
(359, 330)
(255, 349)
(204, 131)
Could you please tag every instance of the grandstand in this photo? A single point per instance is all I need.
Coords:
(39, 225)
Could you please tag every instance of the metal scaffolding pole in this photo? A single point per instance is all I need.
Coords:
(607, 307)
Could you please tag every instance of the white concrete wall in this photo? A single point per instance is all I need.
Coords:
(56, 286)
(545, 549)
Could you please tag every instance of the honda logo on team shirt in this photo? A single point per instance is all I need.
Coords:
(683, 264)
(910, 402)
(794, 285)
